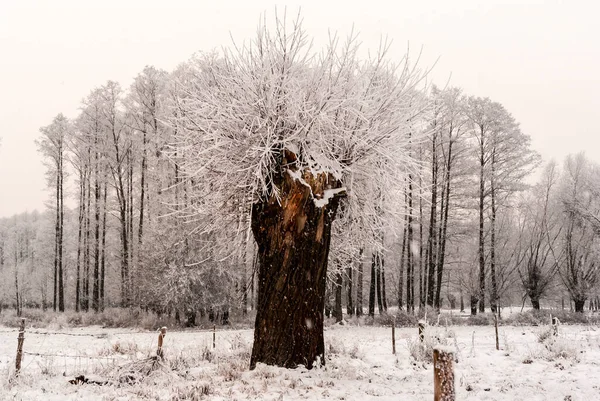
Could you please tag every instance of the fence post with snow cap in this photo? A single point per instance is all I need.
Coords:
(421, 330)
(20, 341)
(443, 374)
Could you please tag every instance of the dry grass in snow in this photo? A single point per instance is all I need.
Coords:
(359, 365)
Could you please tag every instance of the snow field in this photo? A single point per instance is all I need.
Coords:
(531, 364)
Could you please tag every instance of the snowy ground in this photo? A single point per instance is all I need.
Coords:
(360, 365)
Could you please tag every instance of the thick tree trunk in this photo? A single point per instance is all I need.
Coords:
(579, 304)
(293, 236)
(535, 303)
(474, 302)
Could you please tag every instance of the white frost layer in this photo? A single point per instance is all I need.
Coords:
(297, 175)
(328, 194)
(445, 349)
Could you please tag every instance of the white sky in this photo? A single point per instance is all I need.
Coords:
(541, 59)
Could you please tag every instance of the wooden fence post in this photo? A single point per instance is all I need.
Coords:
(161, 336)
(394, 335)
(20, 341)
(443, 374)
(421, 330)
(555, 326)
(214, 336)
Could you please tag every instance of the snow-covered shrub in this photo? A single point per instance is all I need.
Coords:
(560, 348)
(423, 351)
(482, 319)
(544, 334)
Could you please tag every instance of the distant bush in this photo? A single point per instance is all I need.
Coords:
(544, 316)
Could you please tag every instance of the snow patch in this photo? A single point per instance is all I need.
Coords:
(445, 349)
(297, 175)
(328, 194)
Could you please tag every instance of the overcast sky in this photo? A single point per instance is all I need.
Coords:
(540, 59)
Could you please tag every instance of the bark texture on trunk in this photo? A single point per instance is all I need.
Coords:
(579, 303)
(293, 237)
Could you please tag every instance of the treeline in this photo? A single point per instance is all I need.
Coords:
(463, 228)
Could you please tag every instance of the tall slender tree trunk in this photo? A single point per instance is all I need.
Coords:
(378, 281)
(372, 285)
(17, 297)
(86, 249)
(350, 287)
(432, 243)
(401, 273)
(422, 280)
(338, 314)
(293, 235)
(96, 275)
(494, 294)
(103, 248)
(444, 227)
(79, 242)
(481, 222)
(143, 192)
(56, 229)
(61, 286)
(359, 285)
(383, 294)
(410, 266)
(133, 290)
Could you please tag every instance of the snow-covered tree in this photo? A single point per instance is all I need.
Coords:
(286, 133)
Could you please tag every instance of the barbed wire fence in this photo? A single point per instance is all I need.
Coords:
(38, 356)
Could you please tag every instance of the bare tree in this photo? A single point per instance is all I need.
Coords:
(53, 146)
(580, 272)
